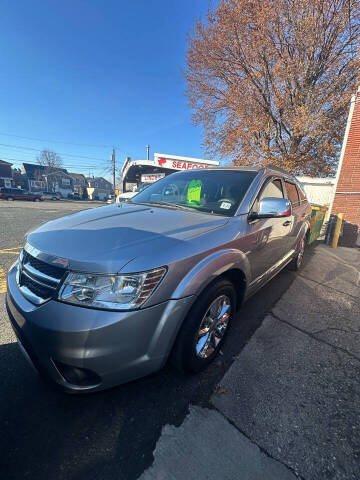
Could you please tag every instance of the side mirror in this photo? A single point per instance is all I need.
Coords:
(272, 208)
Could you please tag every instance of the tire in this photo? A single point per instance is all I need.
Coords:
(36, 199)
(10, 199)
(194, 350)
(297, 261)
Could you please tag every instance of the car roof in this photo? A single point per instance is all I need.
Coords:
(268, 169)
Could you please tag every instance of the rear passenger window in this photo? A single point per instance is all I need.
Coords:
(292, 192)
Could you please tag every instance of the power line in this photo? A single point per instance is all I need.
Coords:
(66, 163)
(55, 141)
(66, 166)
(40, 150)
(27, 157)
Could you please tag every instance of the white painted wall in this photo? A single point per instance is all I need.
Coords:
(318, 190)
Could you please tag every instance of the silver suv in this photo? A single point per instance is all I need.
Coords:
(110, 294)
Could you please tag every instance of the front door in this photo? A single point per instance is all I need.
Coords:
(268, 245)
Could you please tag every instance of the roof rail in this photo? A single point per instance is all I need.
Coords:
(279, 169)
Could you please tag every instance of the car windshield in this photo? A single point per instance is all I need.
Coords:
(141, 187)
(213, 191)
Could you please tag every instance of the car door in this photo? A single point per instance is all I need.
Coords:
(27, 196)
(18, 194)
(299, 211)
(268, 244)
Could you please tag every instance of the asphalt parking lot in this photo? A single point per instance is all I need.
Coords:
(111, 434)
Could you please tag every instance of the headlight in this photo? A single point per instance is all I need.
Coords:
(112, 292)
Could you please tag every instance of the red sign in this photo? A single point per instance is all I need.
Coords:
(179, 164)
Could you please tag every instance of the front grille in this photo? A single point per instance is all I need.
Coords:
(43, 267)
(36, 288)
(38, 280)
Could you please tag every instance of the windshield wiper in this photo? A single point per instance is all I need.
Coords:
(176, 206)
(166, 204)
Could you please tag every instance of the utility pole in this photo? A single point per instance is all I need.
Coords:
(147, 152)
(113, 167)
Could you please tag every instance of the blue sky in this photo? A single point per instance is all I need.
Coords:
(95, 73)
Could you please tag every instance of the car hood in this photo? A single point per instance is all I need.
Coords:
(105, 239)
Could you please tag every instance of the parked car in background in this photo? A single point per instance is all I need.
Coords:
(111, 199)
(50, 196)
(109, 294)
(18, 194)
(127, 195)
(74, 196)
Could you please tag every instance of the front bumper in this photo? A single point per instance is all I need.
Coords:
(107, 347)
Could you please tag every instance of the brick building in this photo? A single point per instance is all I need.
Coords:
(347, 194)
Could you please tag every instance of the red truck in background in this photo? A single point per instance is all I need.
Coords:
(18, 194)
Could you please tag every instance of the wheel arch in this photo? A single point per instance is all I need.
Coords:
(231, 264)
(304, 232)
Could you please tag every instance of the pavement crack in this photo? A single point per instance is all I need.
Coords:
(328, 286)
(312, 335)
(343, 330)
(262, 449)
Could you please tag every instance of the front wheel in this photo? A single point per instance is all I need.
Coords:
(204, 328)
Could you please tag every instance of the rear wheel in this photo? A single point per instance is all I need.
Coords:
(297, 261)
(36, 199)
(10, 199)
(204, 328)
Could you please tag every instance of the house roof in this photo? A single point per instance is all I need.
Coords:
(31, 168)
(93, 179)
(78, 176)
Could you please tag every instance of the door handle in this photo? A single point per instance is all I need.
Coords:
(287, 223)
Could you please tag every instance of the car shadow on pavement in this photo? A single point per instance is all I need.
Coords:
(111, 434)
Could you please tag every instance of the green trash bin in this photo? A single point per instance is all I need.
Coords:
(318, 213)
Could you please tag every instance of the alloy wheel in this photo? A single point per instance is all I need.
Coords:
(213, 326)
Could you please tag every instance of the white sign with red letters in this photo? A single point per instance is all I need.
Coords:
(151, 177)
(179, 164)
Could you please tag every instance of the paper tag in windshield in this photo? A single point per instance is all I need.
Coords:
(225, 205)
(194, 191)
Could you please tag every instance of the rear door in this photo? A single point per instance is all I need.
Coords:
(269, 237)
(298, 211)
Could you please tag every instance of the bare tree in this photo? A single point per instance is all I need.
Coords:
(270, 80)
(49, 158)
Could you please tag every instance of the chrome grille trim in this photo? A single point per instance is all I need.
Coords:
(29, 295)
(32, 272)
(35, 280)
(35, 285)
(31, 250)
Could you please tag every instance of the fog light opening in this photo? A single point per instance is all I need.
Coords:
(78, 376)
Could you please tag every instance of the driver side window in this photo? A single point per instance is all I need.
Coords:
(272, 189)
